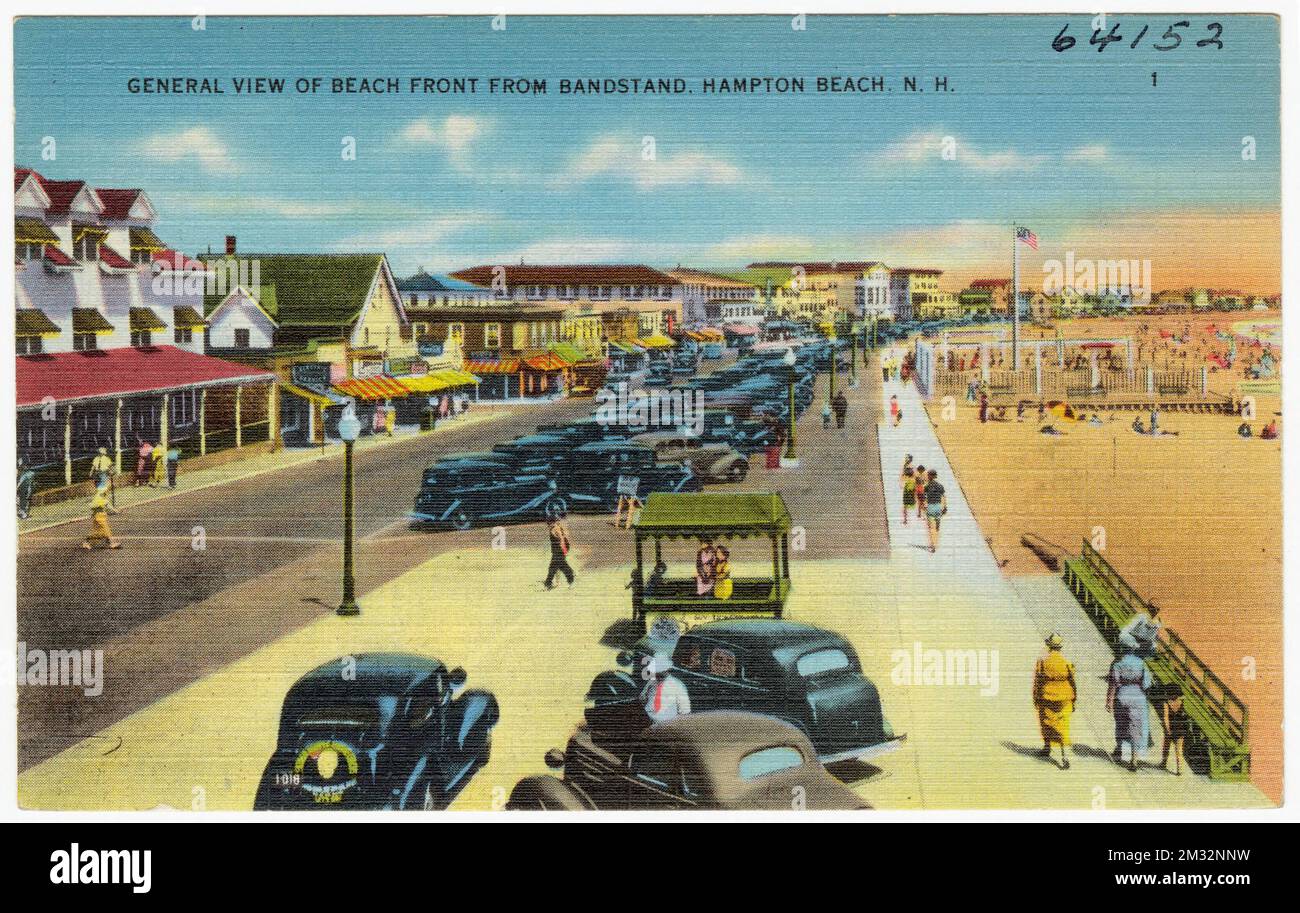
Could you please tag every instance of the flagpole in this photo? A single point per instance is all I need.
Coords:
(1015, 298)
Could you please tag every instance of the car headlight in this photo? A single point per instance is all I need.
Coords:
(888, 729)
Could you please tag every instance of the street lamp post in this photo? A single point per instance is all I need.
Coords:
(790, 460)
(834, 358)
(853, 358)
(349, 430)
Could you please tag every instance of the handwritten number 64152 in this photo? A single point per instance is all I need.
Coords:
(1170, 40)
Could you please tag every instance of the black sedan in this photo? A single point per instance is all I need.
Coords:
(464, 493)
(696, 761)
(804, 675)
(588, 479)
(378, 731)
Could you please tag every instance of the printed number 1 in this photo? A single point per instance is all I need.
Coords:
(1153, 78)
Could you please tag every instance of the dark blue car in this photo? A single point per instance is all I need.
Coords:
(809, 677)
(588, 479)
(379, 731)
(462, 494)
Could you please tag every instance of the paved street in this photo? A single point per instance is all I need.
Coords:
(165, 612)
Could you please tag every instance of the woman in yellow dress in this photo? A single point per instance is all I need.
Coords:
(99, 528)
(1054, 698)
(722, 574)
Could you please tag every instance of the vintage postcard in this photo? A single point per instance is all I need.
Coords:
(617, 413)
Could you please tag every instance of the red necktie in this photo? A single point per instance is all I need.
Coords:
(659, 697)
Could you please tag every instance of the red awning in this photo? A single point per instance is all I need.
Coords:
(492, 366)
(56, 256)
(103, 373)
(112, 259)
(547, 361)
(368, 388)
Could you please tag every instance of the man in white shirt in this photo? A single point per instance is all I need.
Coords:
(665, 695)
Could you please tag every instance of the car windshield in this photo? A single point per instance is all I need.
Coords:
(820, 661)
(769, 761)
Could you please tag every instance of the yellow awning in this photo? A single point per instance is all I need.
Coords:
(438, 380)
(309, 395)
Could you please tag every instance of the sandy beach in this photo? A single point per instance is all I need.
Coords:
(1193, 521)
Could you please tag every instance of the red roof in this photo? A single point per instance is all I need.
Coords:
(818, 266)
(118, 372)
(117, 203)
(21, 174)
(174, 259)
(990, 283)
(57, 256)
(61, 193)
(113, 259)
(578, 274)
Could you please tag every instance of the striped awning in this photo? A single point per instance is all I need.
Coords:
(438, 380)
(145, 320)
(89, 320)
(144, 239)
(33, 231)
(371, 388)
(547, 361)
(492, 366)
(33, 322)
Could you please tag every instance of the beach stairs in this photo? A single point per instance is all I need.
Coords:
(1218, 717)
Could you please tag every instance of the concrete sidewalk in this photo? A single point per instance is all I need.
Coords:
(77, 509)
(968, 747)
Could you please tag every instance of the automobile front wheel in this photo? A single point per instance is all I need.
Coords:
(461, 520)
(738, 471)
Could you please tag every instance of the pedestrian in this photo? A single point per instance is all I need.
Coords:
(390, 420)
(895, 414)
(984, 408)
(1174, 717)
(919, 486)
(826, 414)
(936, 505)
(1142, 632)
(173, 465)
(1126, 697)
(26, 488)
(884, 369)
(665, 696)
(100, 468)
(841, 406)
(706, 561)
(907, 478)
(142, 462)
(560, 544)
(99, 528)
(723, 585)
(1055, 695)
(159, 457)
(1155, 421)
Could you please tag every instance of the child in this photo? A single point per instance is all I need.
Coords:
(908, 480)
(1174, 716)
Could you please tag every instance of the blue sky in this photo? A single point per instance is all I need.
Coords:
(1078, 145)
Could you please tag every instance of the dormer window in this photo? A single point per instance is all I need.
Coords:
(85, 242)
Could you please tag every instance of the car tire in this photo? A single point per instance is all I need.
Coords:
(554, 508)
(546, 794)
(460, 520)
(737, 471)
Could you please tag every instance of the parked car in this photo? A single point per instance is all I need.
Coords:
(397, 732)
(588, 479)
(697, 761)
(802, 674)
(463, 494)
(583, 431)
(711, 462)
(535, 449)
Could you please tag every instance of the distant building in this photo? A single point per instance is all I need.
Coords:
(910, 290)
(712, 298)
(821, 290)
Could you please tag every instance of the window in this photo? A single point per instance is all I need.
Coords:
(242, 340)
(456, 331)
(536, 291)
(722, 663)
(492, 335)
(30, 345)
(568, 292)
(688, 656)
(600, 292)
(769, 761)
(85, 342)
(86, 244)
(141, 339)
(820, 661)
(28, 251)
(183, 334)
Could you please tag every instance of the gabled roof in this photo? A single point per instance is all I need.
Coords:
(305, 291)
(566, 274)
(62, 194)
(706, 278)
(118, 202)
(820, 266)
(35, 180)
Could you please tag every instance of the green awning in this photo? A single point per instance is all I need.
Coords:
(742, 515)
(144, 239)
(33, 322)
(145, 320)
(187, 318)
(33, 231)
(571, 353)
(89, 320)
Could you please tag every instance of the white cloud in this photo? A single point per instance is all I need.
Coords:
(455, 135)
(197, 144)
(418, 234)
(623, 159)
(1092, 153)
(935, 146)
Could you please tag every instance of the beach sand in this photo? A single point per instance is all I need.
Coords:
(1193, 522)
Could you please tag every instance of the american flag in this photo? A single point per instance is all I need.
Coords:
(1024, 234)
